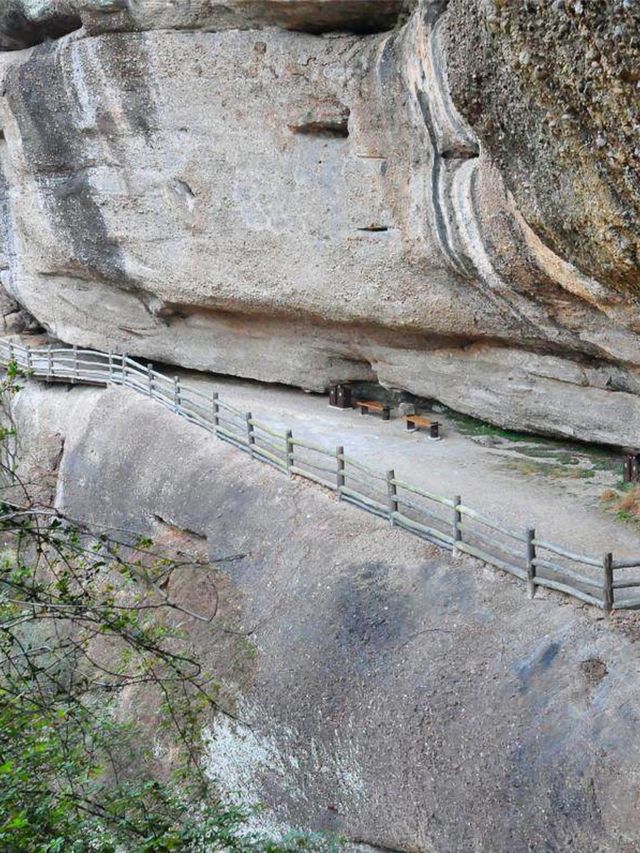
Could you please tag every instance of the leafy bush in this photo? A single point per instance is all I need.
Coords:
(86, 623)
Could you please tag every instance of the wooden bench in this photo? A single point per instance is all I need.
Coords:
(416, 422)
(367, 406)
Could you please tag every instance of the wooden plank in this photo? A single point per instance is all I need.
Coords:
(482, 519)
(628, 604)
(162, 377)
(260, 451)
(489, 558)
(309, 476)
(96, 358)
(489, 540)
(54, 350)
(230, 408)
(369, 501)
(630, 563)
(87, 375)
(163, 399)
(188, 389)
(279, 466)
(275, 445)
(625, 584)
(230, 439)
(404, 501)
(194, 419)
(366, 507)
(138, 375)
(361, 481)
(569, 590)
(418, 420)
(364, 468)
(326, 469)
(133, 382)
(570, 555)
(372, 404)
(423, 493)
(231, 424)
(268, 430)
(404, 521)
(568, 573)
(134, 367)
(315, 447)
(240, 439)
(93, 352)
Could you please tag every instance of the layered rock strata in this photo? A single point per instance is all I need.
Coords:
(306, 192)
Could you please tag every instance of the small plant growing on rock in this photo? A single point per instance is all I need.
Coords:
(625, 503)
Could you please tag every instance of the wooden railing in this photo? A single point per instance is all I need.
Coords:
(444, 521)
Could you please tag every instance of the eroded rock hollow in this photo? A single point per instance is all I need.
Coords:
(440, 195)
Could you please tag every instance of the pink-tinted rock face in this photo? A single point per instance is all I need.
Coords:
(203, 185)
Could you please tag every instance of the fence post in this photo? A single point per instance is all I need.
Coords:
(340, 479)
(176, 394)
(110, 368)
(531, 555)
(607, 586)
(392, 495)
(215, 406)
(49, 362)
(457, 519)
(76, 366)
(289, 452)
(150, 379)
(251, 439)
(124, 368)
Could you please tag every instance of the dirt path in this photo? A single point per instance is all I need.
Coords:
(553, 486)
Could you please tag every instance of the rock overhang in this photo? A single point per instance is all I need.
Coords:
(220, 198)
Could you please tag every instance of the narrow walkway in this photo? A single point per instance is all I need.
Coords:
(509, 479)
(496, 480)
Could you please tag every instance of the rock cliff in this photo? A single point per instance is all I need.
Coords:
(410, 702)
(442, 195)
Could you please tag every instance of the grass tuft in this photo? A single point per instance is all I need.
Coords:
(625, 504)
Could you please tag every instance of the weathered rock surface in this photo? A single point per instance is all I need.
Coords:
(27, 22)
(427, 205)
(411, 703)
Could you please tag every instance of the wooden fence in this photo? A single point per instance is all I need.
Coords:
(445, 521)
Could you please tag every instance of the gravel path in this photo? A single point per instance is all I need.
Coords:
(549, 485)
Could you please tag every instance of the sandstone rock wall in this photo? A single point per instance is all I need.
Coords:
(404, 700)
(306, 191)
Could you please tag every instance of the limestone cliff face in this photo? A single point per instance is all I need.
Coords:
(313, 190)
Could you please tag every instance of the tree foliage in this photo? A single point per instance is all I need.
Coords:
(87, 628)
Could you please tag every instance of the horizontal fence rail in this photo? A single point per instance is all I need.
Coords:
(439, 519)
